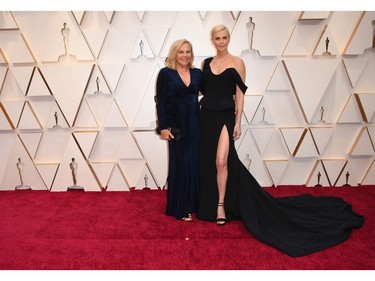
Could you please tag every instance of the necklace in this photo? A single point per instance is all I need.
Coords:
(221, 60)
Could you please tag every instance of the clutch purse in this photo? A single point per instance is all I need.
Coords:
(176, 132)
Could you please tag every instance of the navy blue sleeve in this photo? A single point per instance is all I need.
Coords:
(161, 100)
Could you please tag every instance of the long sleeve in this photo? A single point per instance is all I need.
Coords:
(161, 100)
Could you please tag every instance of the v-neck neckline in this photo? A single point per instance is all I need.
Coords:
(182, 80)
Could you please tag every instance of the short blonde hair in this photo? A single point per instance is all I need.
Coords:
(172, 54)
(218, 28)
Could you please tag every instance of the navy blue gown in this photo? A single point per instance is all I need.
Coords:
(296, 225)
(177, 106)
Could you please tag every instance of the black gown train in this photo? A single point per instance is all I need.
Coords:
(296, 225)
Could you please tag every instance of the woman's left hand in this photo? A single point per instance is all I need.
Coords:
(236, 132)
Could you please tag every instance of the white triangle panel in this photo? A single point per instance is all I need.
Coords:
(114, 144)
(85, 117)
(195, 32)
(351, 112)
(68, 98)
(301, 45)
(321, 137)
(291, 137)
(279, 80)
(3, 72)
(146, 115)
(298, 171)
(371, 131)
(366, 83)
(13, 110)
(48, 172)
(7, 21)
(333, 168)
(251, 104)
(141, 14)
(52, 146)
(276, 168)
(262, 137)
(263, 115)
(304, 74)
(363, 144)
(257, 78)
(322, 44)
(155, 151)
(115, 118)
(356, 168)
(369, 177)
(117, 181)
(157, 35)
(142, 48)
(354, 67)
(318, 176)
(146, 180)
(8, 41)
(37, 85)
(367, 102)
(112, 74)
(361, 37)
(132, 169)
(30, 141)
(97, 83)
(132, 87)
(85, 141)
(8, 141)
(28, 119)
(64, 177)
(252, 160)
(78, 15)
(4, 122)
(11, 91)
(22, 74)
(100, 105)
(22, 53)
(270, 34)
(307, 147)
(103, 172)
(42, 107)
(28, 173)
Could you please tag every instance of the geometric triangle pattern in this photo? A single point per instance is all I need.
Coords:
(82, 84)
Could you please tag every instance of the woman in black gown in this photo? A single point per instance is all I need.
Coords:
(296, 225)
(177, 88)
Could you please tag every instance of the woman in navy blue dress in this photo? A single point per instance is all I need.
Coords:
(177, 89)
(296, 225)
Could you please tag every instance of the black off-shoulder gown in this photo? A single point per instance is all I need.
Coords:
(296, 225)
(178, 107)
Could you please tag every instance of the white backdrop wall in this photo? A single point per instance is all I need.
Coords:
(305, 112)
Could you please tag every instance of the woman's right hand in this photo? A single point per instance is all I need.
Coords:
(166, 134)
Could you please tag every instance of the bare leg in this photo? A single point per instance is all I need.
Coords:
(222, 169)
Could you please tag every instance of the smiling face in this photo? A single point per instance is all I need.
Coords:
(183, 55)
(221, 40)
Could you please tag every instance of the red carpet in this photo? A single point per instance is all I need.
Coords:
(129, 231)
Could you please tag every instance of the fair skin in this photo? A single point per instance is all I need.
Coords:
(220, 63)
(183, 58)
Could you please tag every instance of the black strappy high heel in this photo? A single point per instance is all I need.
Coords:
(189, 218)
(221, 221)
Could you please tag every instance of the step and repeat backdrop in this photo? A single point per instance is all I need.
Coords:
(77, 93)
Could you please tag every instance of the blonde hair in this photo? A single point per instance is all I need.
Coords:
(172, 54)
(218, 28)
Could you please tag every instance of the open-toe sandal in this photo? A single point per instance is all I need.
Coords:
(221, 221)
(188, 218)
